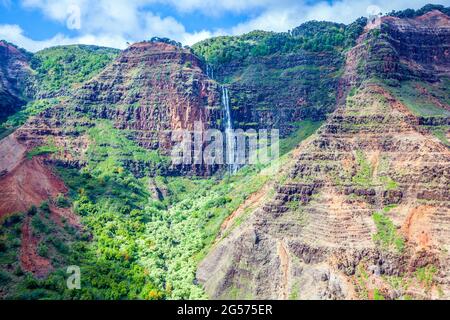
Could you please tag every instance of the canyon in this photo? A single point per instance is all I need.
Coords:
(359, 208)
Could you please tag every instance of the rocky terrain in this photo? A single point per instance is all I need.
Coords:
(358, 210)
(365, 208)
(14, 74)
(152, 81)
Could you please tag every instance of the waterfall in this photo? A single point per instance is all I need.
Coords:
(229, 136)
(210, 71)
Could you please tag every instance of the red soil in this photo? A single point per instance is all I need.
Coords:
(29, 259)
(29, 183)
(57, 214)
(23, 183)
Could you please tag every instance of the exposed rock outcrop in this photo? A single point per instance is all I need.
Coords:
(320, 236)
(323, 215)
(152, 89)
(15, 74)
(278, 91)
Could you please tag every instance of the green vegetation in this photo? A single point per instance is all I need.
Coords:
(4, 132)
(112, 148)
(62, 68)
(31, 109)
(377, 295)
(9, 104)
(161, 240)
(421, 104)
(313, 36)
(57, 70)
(361, 280)
(61, 201)
(364, 174)
(47, 149)
(265, 61)
(10, 232)
(387, 236)
(428, 101)
(425, 275)
(441, 133)
(411, 13)
(42, 250)
(134, 245)
(389, 184)
(304, 129)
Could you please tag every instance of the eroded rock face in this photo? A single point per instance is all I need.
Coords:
(14, 76)
(416, 48)
(277, 91)
(431, 32)
(152, 89)
(318, 230)
(318, 237)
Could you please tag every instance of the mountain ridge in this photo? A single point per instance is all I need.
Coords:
(359, 209)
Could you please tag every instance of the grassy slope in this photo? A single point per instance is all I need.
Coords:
(141, 247)
(58, 70)
(65, 67)
(427, 105)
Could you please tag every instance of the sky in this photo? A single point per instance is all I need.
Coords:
(37, 24)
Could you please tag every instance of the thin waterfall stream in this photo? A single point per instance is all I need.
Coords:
(230, 148)
(229, 135)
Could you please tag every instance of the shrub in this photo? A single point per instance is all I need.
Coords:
(41, 151)
(62, 202)
(425, 275)
(12, 220)
(59, 245)
(32, 211)
(39, 225)
(4, 277)
(42, 250)
(386, 235)
(45, 207)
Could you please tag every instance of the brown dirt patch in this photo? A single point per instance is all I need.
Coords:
(58, 214)
(416, 227)
(252, 202)
(29, 183)
(29, 259)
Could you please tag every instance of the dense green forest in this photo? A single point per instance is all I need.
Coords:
(312, 36)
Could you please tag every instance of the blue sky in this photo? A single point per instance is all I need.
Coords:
(36, 24)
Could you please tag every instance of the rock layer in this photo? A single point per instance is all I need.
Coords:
(319, 228)
(320, 236)
(15, 73)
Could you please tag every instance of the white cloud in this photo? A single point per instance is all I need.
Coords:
(115, 22)
(289, 14)
(106, 22)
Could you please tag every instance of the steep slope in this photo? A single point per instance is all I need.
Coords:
(15, 73)
(365, 211)
(320, 227)
(61, 69)
(45, 79)
(24, 182)
(149, 91)
(278, 79)
(359, 210)
(152, 81)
